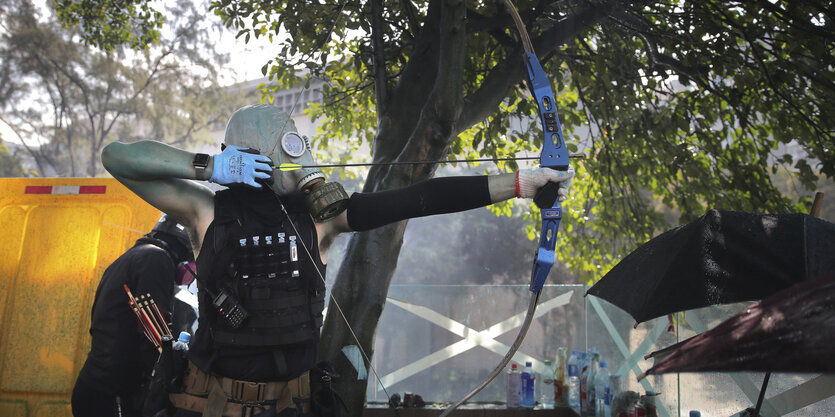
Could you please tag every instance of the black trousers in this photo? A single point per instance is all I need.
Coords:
(90, 400)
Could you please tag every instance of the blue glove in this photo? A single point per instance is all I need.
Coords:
(236, 166)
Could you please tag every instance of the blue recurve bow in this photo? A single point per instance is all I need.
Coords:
(554, 155)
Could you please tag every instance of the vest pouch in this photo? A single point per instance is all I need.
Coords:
(229, 309)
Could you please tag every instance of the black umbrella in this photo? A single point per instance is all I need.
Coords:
(792, 331)
(723, 257)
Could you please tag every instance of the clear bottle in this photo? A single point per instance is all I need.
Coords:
(574, 379)
(601, 389)
(182, 342)
(546, 397)
(561, 378)
(528, 386)
(587, 397)
(615, 387)
(584, 369)
(584, 375)
(514, 387)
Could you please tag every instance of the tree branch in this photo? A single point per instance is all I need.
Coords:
(378, 57)
(412, 90)
(483, 102)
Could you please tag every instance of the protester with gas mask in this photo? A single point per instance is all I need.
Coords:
(113, 380)
(262, 249)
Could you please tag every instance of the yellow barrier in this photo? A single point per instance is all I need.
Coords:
(57, 236)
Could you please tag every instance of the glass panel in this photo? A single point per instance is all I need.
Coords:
(440, 341)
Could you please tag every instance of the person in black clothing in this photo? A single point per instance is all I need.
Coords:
(262, 247)
(112, 380)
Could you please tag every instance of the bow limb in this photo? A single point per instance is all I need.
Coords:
(554, 155)
(509, 355)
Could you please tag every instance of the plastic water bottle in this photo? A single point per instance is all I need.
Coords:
(601, 389)
(182, 342)
(546, 397)
(615, 387)
(561, 378)
(584, 370)
(528, 386)
(588, 401)
(584, 388)
(514, 387)
(574, 379)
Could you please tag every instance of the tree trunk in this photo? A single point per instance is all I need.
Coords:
(423, 116)
(360, 290)
(363, 281)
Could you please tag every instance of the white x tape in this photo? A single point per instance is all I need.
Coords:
(471, 337)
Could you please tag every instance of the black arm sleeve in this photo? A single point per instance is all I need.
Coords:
(435, 196)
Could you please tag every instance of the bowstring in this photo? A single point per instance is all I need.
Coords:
(365, 356)
(336, 303)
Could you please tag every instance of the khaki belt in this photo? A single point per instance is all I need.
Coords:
(243, 398)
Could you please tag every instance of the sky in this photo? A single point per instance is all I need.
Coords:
(246, 60)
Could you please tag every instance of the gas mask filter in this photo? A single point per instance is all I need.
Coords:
(325, 200)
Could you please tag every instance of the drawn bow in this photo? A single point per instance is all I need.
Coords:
(555, 156)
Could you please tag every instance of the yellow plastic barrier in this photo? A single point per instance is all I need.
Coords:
(57, 235)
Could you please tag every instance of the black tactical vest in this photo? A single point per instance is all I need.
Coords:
(259, 288)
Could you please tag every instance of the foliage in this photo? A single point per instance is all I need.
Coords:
(112, 23)
(682, 105)
(9, 164)
(679, 106)
(67, 100)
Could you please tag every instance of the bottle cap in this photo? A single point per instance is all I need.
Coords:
(185, 337)
(695, 413)
(528, 364)
(603, 364)
(547, 361)
(513, 366)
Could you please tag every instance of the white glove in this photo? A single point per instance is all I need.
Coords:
(529, 181)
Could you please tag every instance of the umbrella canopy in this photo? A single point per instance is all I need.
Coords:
(723, 257)
(791, 331)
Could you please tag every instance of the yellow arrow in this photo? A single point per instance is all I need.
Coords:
(288, 167)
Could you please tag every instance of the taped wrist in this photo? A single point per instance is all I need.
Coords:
(435, 196)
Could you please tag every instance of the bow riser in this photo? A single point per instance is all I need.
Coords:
(554, 154)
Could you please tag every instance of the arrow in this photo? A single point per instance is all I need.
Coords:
(293, 167)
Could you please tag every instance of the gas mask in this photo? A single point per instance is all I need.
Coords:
(273, 133)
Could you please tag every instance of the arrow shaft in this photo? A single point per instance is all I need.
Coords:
(290, 167)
